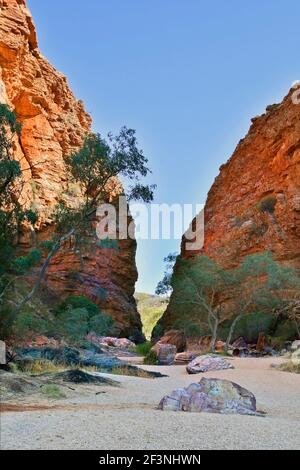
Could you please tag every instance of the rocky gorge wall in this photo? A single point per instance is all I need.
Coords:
(254, 203)
(54, 124)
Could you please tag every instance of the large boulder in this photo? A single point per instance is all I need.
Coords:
(184, 358)
(211, 396)
(165, 353)
(208, 363)
(174, 337)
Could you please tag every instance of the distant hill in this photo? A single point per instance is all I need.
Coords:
(151, 309)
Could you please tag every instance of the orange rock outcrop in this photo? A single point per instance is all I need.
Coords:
(254, 203)
(54, 124)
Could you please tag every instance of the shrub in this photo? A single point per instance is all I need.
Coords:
(268, 204)
(151, 359)
(290, 367)
(77, 316)
(79, 301)
(52, 391)
(144, 348)
(28, 323)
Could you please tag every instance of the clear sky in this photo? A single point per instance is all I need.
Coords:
(188, 75)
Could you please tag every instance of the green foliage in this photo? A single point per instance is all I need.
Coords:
(151, 359)
(22, 264)
(77, 316)
(164, 287)
(52, 391)
(252, 291)
(290, 367)
(252, 324)
(27, 323)
(11, 213)
(268, 204)
(78, 301)
(99, 161)
(151, 309)
(144, 348)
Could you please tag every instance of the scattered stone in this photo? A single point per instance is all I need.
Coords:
(240, 343)
(174, 337)
(212, 396)
(208, 363)
(165, 353)
(121, 343)
(41, 340)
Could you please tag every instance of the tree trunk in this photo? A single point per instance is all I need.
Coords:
(231, 331)
(214, 335)
(43, 271)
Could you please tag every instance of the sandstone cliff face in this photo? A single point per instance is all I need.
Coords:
(54, 124)
(254, 203)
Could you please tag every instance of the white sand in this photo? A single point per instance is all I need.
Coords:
(125, 417)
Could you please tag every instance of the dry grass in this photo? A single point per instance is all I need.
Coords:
(290, 367)
(143, 374)
(53, 391)
(41, 366)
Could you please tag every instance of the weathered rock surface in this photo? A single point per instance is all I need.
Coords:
(54, 124)
(174, 337)
(120, 343)
(211, 396)
(207, 364)
(263, 172)
(165, 353)
(184, 358)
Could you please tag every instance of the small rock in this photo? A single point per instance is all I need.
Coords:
(211, 396)
(295, 345)
(208, 363)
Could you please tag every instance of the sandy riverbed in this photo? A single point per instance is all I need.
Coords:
(126, 418)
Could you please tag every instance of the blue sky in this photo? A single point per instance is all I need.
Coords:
(188, 75)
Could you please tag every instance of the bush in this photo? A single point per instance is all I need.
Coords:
(28, 323)
(79, 301)
(78, 316)
(144, 348)
(151, 359)
(249, 326)
(268, 205)
(52, 391)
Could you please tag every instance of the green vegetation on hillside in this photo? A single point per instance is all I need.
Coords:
(254, 297)
(151, 309)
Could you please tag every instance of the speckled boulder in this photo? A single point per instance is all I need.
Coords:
(211, 396)
(208, 363)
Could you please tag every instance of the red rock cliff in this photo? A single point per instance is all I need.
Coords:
(254, 203)
(54, 124)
